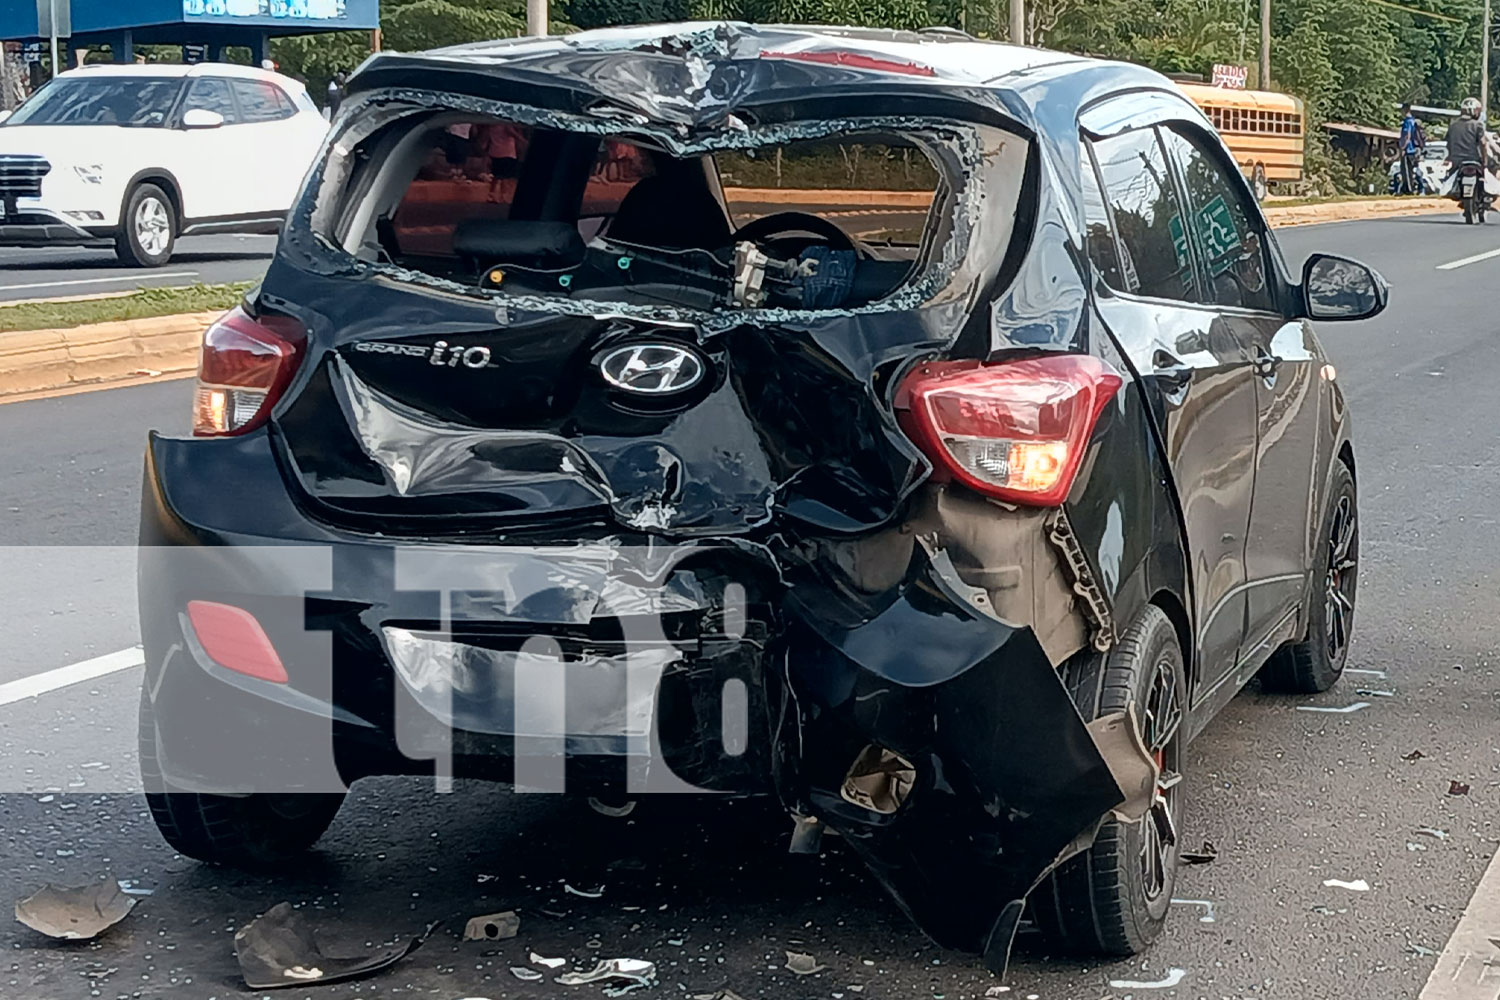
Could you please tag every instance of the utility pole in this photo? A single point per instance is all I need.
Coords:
(1264, 80)
(52, 30)
(1484, 67)
(536, 17)
(1018, 22)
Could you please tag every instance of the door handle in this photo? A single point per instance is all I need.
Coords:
(1170, 371)
(1266, 363)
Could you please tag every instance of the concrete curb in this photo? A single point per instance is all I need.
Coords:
(1281, 216)
(40, 360)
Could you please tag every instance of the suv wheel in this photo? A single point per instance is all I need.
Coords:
(1113, 898)
(248, 831)
(1316, 663)
(148, 227)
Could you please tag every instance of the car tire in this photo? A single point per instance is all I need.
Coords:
(247, 831)
(1113, 898)
(1316, 662)
(148, 227)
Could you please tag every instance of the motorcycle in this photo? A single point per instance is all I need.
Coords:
(1470, 191)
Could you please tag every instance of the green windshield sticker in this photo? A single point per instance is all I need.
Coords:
(1221, 239)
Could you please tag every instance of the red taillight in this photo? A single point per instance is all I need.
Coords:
(244, 367)
(233, 639)
(1015, 430)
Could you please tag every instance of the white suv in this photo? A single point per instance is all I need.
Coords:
(138, 155)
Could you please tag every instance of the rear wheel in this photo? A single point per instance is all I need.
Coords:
(1113, 898)
(1316, 663)
(245, 830)
(148, 228)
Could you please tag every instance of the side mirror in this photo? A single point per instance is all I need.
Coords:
(201, 118)
(1339, 288)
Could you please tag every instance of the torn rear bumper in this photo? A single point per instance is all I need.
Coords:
(990, 775)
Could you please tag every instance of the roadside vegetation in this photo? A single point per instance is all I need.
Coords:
(142, 304)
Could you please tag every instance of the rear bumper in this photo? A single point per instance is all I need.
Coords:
(986, 777)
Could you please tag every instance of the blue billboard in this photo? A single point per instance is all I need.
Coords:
(261, 10)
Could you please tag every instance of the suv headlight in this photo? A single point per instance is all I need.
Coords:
(91, 174)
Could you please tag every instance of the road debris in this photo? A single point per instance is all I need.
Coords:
(280, 948)
(1358, 885)
(1346, 710)
(807, 835)
(493, 926)
(1413, 757)
(129, 888)
(1207, 853)
(997, 991)
(1420, 951)
(1326, 911)
(585, 893)
(613, 811)
(524, 974)
(802, 964)
(1431, 831)
(1457, 788)
(1172, 978)
(74, 914)
(633, 970)
(1413, 846)
(1209, 913)
(551, 963)
(1373, 693)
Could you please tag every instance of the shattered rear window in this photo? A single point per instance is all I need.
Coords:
(539, 208)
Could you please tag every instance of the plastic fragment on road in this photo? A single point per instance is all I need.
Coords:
(281, 948)
(1207, 853)
(585, 893)
(129, 888)
(1209, 913)
(74, 914)
(1373, 693)
(615, 812)
(997, 991)
(632, 970)
(551, 963)
(1413, 757)
(1431, 831)
(524, 974)
(1457, 788)
(1171, 979)
(807, 835)
(492, 926)
(1346, 710)
(1414, 846)
(802, 964)
(1358, 885)
(1420, 951)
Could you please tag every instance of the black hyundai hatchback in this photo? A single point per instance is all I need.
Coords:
(924, 432)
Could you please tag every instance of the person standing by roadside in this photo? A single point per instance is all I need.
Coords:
(335, 93)
(1412, 141)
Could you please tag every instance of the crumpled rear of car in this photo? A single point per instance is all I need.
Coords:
(749, 583)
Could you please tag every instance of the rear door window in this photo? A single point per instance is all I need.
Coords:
(1148, 216)
(212, 94)
(1099, 229)
(468, 172)
(261, 101)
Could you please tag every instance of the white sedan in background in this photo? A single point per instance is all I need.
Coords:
(138, 155)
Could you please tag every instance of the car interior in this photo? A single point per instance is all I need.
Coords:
(525, 210)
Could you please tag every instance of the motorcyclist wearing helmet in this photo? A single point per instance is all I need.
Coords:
(1466, 137)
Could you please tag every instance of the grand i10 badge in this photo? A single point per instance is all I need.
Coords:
(441, 354)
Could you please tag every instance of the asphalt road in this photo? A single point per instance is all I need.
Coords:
(52, 272)
(706, 890)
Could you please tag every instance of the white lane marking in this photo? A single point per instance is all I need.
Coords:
(1468, 260)
(73, 673)
(102, 281)
(1469, 966)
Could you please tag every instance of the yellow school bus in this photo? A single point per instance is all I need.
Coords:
(1264, 130)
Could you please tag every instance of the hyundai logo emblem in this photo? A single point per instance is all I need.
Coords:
(652, 369)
